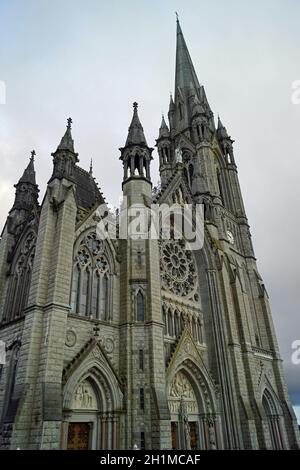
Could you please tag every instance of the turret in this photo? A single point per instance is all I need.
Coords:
(65, 158)
(136, 155)
(26, 199)
(225, 142)
(164, 147)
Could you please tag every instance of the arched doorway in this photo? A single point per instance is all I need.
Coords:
(273, 419)
(193, 424)
(93, 409)
(83, 429)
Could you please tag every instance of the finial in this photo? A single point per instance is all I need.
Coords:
(177, 18)
(33, 154)
(135, 105)
(91, 167)
(69, 123)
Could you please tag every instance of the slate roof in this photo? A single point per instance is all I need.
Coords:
(87, 191)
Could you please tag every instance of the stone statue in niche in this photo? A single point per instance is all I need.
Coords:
(185, 420)
(178, 155)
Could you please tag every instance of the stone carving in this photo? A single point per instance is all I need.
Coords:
(183, 412)
(102, 264)
(182, 391)
(181, 387)
(97, 354)
(107, 343)
(178, 271)
(178, 155)
(94, 245)
(71, 338)
(84, 397)
(83, 257)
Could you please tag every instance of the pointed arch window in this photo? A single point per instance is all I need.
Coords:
(105, 302)
(75, 288)
(20, 279)
(84, 293)
(165, 321)
(170, 323)
(11, 380)
(92, 280)
(140, 306)
(95, 294)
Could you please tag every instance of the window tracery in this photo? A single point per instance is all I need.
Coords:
(91, 282)
(20, 279)
(178, 270)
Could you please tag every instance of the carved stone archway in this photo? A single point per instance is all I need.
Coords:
(193, 398)
(194, 424)
(93, 403)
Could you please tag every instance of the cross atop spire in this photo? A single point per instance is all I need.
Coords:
(91, 167)
(69, 121)
(33, 154)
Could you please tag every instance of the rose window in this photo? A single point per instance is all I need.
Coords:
(178, 268)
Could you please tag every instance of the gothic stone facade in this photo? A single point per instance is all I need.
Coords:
(115, 343)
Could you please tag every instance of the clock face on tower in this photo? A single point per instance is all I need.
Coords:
(230, 237)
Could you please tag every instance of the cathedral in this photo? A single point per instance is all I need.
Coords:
(121, 343)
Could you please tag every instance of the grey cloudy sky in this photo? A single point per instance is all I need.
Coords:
(91, 59)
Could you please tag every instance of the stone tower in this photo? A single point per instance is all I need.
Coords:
(120, 341)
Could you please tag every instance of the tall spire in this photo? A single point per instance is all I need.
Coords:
(163, 130)
(135, 131)
(67, 142)
(29, 172)
(185, 74)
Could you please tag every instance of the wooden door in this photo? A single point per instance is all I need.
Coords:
(78, 436)
(193, 435)
(174, 427)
